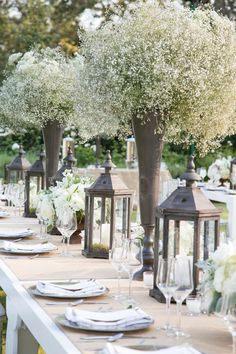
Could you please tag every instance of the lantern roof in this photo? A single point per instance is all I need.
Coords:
(69, 160)
(109, 183)
(189, 201)
(39, 165)
(68, 163)
(20, 162)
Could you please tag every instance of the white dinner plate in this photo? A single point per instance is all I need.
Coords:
(231, 191)
(4, 214)
(134, 327)
(15, 234)
(36, 292)
(217, 189)
(19, 251)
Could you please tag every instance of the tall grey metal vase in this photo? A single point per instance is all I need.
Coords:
(52, 135)
(149, 150)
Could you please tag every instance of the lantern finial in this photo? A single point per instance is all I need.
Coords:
(21, 150)
(42, 153)
(69, 160)
(108, 164)
(190, 175)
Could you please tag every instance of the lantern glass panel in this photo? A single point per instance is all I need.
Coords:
(102, 221)
(208, 233)
(13, 176)
(121, 216)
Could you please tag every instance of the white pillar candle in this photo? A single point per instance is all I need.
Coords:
(105, 234)
(148, 279)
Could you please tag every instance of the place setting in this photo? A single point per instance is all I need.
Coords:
(19, 248)
(4, 214)
(20, 233)
(77, 289)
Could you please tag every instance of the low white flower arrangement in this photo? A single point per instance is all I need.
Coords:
(67, 196)
(219, 276)
(220, 169)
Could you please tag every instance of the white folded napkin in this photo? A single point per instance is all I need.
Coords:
(108, 320)
(16, 233)
(39, 247)
(3, 213)
(81, 288)
(115, 349)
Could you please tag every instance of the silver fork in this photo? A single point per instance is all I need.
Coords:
(112, 338)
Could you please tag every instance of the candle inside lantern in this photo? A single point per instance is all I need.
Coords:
(105, 234)
(148, 279)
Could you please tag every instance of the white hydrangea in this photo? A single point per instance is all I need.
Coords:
(165, 59)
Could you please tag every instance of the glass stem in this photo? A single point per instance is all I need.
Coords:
(118, 282)
(168, 298)
(130, 282)
(43, 230)
(234, 342)
(178, 303)
(67, 241)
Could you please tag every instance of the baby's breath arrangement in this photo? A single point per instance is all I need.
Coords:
(167, 60)
(39, 87)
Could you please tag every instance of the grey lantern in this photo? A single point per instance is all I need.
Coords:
(68, 163)
(186, 206)
(34, 175)
(108, 204)
(15, 170)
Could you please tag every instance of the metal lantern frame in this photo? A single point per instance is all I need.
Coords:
(68, 162)
(187, 203)
(36, 170)
(18, 166)
(232, 170)
(108, 186)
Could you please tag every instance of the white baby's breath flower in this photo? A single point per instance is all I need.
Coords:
(166, 59)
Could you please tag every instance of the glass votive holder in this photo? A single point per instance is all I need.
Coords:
(148, 279)
(194, 304)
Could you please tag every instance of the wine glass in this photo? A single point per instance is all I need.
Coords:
(132, 260)
(183, 281)
(43, 221)
(67, 224)
(19, 197)
(228, 313)
(166, 284)
(116, 256)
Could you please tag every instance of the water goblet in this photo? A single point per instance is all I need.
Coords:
(132, 260)
(183, 281)
(67, 224)
(116, 255)
(228, 313)
(166, 284)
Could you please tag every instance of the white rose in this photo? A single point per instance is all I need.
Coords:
(219, 279)
(229, 285)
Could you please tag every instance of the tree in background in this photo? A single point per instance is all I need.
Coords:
(24, 24)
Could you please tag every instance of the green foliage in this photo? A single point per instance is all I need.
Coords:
(99, 247)
(175, 160)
